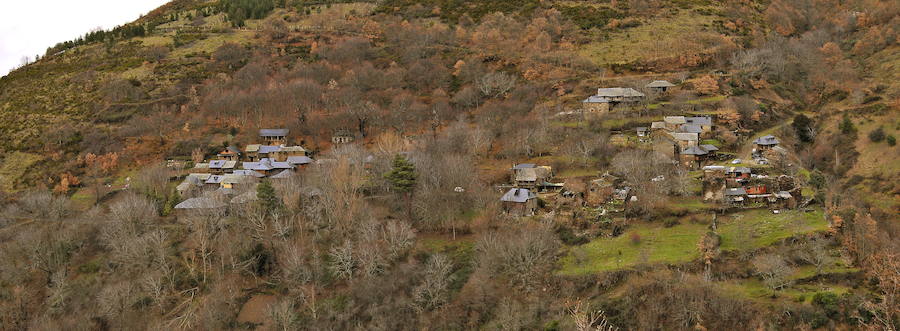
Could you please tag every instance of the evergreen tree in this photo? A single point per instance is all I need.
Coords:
(802, 126)
(268, 200)
(403, 179)
(847, 126)
(172, 200)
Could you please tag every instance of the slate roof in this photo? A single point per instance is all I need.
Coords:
(766, 140)
(259, 166)
(660, 83)
(292, 149)
(266, 164)
(284, 174)
(222, 164)
(252, 148)
(245, 197)
(519, 195)
(273, 132)
(689, 128)
(783, 195)
(299, 160)
(699, 120)
(215, 179)
(268, 149)
(249, 173)
(674, 120)
(693, 150)
(199, 203)
(735, 191)
(618, 92)
(684, 136)
(709, 148)
(235, 179)
(595, 99)
(201, 176)
(524, 166)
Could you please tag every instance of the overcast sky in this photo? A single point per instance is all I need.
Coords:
(28, 27)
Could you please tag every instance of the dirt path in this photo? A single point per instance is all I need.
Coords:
(256, 311)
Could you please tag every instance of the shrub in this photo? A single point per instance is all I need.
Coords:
(876, 135)
(847, 126)
(828, 301)
(891, 141)
(568, 237)
(670, 222)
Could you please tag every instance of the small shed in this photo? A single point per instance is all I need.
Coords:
(659, 85)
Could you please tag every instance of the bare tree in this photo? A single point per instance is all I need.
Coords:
(343, 262)
(523, 254)
(774, 271)
(434, 289)
(815, 251)
(496, 84)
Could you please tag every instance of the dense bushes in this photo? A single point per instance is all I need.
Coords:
(239, 11)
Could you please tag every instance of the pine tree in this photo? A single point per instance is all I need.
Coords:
(268, 200)
(172, 200)
(403, 179)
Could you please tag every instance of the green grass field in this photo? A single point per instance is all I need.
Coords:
(766, 228)
(678, 244)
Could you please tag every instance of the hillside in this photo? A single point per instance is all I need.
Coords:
(465, 164)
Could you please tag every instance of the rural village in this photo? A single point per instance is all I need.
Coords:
(458, 165)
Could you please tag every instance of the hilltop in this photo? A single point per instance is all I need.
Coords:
(400, 164)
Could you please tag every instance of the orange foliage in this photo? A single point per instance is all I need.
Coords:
(706, 85)
(66, 181)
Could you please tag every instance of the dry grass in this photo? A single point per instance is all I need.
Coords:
(653, 39)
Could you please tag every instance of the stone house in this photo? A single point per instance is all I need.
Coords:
(519, 202)
(274, 136)
(659, 86)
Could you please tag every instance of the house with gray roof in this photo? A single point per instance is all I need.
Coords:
(200, 203)
(299, 161)
(274, 136)
(766, 142)
(519, 202)
(596, 104)
(659, 86)
(222, 166)
(689, 128)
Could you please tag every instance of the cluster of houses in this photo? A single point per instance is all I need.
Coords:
(679, 137)
(607, 98)
(235, 170)
(527, 179)
(741, 187)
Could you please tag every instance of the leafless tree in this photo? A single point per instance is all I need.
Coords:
(774, 271)
(343, 262)
(153, 181)
(522, 255)
(496, 84)
(399, 236)
(433, 291)
(815, 251)
(283, 315)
